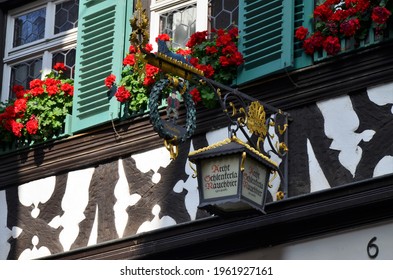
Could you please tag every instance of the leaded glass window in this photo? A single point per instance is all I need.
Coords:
(68, 58)
(66, 16)
(179, 24)
(29, 27)
(180, 21)
(37, 37)
(23, 73)
(223, 13)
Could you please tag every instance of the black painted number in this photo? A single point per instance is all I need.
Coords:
(372, 248)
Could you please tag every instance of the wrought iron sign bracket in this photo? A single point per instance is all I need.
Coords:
(264, 126)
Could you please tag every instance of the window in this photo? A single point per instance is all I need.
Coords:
(223, 14)
(180, 19)
(179, 24)
(39, 35)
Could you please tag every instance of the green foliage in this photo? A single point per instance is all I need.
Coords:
(38, 113)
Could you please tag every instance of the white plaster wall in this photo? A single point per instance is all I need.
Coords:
(383, 95)
(74, 202)
(36, 192)
(341, 122)
(124, 199)
(318, 180)
(340, 125)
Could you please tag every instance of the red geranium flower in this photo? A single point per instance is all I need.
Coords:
(234, 32)
(131, 49)
(52, 90)
(32, 125)
(332, 45)
(197, 38)
(60, 67)
(110, 80)
(151, 72)
(36, 83)
(237, 59)
(229, 49)
(340, 15)
(68, 89)
(149, 48)
(16, 128)
(194, 61)
(163, 37)
(223, 40)
(301, 33)
(196, 95)
(17, 88)
(129, 60)
(349, 27)
(323, 12)
(122, 94)
(10, 111)
(19, 91)
(208, 70)
(211, 50)
(20, 105)
(184, 52)
(380, 15)
(36, 91)
(51, 82)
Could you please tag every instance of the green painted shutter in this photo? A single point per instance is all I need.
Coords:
(266, 37)
(303, 17)
(101, 44)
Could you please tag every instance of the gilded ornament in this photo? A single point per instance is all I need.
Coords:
(280, 195)
(256, 120)
(140, 24)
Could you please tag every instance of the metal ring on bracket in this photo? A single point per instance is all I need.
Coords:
(167, 129)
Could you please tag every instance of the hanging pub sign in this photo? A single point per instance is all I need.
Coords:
(232, 176)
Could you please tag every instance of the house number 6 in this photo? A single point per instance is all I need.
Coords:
(372, 248)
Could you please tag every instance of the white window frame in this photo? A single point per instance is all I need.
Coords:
(44, 48)
(160, 7)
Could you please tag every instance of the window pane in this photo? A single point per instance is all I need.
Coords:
(179, 24)
(66, 17)
(68, 58)
(23, 73)
(29, 27)
(223, 14)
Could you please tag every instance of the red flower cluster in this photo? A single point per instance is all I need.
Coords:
(129, 59)
(60, 67)
(32, 125)
(122, 94)
(110, 80)
(196, 39)
(380, 15)
(23, 116)
(150, 77)
(132, 82)
(10, 119)
(163, 37)
(337, 19)
(221, 51)
(196, 95)
(215, 54)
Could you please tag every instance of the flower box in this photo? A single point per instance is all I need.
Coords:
(349, 45)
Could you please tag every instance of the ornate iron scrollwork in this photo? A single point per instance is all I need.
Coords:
(244, 112)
